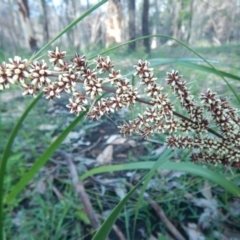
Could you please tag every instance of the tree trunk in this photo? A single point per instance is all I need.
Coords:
(45, 21)
(156, 25)
(76, 5)
(190, 21)
(97, 36)
(27, 25)
(131, 24)
(11, 33)
(177, 22)
(67, 16)
(145, 25)
(113, 22)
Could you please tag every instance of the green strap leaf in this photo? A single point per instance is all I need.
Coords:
(189, 62)
(72, 24)
(17, 127)
(182, 166)
(184, 45)
(106, 227)
(145, 184)
(27, 177)
(6, 155)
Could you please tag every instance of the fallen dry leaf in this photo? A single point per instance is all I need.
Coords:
(120, 190)
(219, 235)
(121, 155)
(131, 143)
(174, 174)
(47, 127)
(152, 238)
(117, 139)
(207, 190)
(41, 187)
(188, 195)
(114, 138)
(159, 150)
(210, 213)
(72, 135)
(234, 207)
(193, 232)
(106, 155)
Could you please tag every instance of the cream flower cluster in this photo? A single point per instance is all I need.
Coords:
(86, 85)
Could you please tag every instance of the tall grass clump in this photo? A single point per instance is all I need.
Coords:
(209, 127)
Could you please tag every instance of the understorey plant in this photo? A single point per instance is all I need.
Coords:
(85, 82)
(209, 127)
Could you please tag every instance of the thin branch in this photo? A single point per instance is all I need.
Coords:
(118, 232)
(151, 104)
(111, 90)
(58, 194)
(81, 191)
(164, 218)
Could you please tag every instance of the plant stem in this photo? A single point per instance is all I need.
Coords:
(151, 104)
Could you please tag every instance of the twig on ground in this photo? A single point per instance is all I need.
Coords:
(118, 232)
(172, 229)
(163, 218)
(91, 146)
(81, 191)
(58, 194)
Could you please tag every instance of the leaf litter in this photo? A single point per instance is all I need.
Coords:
(112, 148)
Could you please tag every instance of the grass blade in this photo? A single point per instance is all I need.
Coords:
(6, 155)
(106, 227)
(17, 127)
(26, 178)
(189, 62)
(70, 26)
(182, 166)
(145, 184)
(210, 70)
(184, 45)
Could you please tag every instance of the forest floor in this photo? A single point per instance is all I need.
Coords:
(51, 208)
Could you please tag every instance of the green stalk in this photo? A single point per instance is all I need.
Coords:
(187, 167)
(184, 45)
(49, 151)
(7, 151)
(39, 163)
(6, 155)
(106, 227)
(69, 27)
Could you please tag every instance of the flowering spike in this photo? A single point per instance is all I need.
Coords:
(84, 85)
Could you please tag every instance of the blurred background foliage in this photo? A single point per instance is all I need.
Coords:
(49, 207)
(28, 25)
